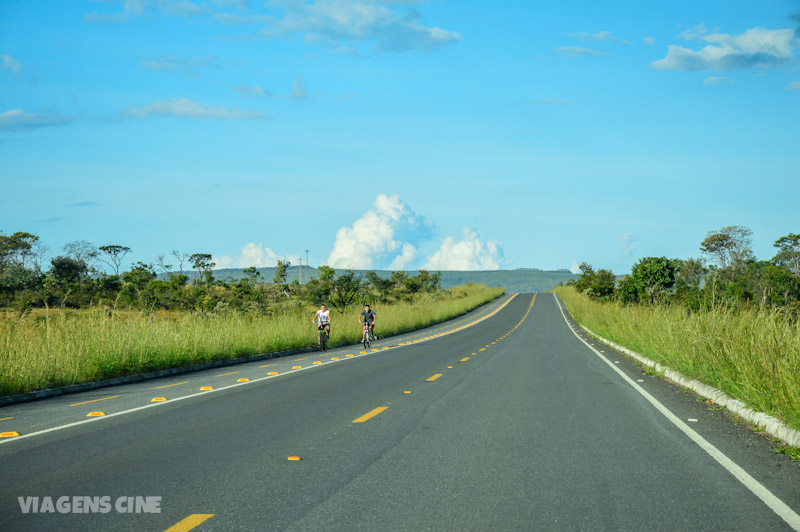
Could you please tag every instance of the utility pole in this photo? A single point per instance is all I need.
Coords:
(306, 266)
(300, 271)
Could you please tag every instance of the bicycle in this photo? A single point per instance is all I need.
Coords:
(323, 338)
(367, 336)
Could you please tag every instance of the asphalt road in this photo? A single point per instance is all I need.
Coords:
(511, 423)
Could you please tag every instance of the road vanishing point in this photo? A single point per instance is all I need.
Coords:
(506, 418)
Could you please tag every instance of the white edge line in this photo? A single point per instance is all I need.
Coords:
(207, 392)
(774, 503)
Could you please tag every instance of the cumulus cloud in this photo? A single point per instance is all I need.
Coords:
(9, 63)
(627, 243)
(469, 253)
(19, 120)
(717, 80)
(252, 255)
(136, 8)
(579, 51)
(794, 86)
(334, 22)
(757, 47)
(186, 108)
(384, 235)
(575, 268)
(188, 66)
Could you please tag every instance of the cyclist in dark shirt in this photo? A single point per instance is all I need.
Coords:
(367, 316)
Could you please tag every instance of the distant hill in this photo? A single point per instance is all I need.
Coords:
(519, 280)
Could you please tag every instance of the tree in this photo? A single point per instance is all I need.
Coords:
(653, 277)
(251, 274)
(203, 264)
(181, 257)
(602, 284)
(281, 270)
(17, 248)
(789, 254)
(345, 291)
(114, 254)
(729, 247)
(83, 251)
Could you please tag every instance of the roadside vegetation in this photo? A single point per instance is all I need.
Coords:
(733, 324)
(75, 323)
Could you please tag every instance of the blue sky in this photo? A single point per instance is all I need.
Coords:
(439, 134)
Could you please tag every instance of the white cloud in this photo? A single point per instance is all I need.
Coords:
(298, 90)
(575, 268)
(600, 36)
(9, 63)
(19, 120)
(334, 22)
(251, 255)
(649, 41)
(627, 243)
(165, 63)
(757, 47)
(253, 91)
(794, 86)
(186, 108)
(578, 51)
(717, 80)
(384, 235)
(470, 253)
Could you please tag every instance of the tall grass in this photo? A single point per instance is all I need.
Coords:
(752, 355)
(70, 347)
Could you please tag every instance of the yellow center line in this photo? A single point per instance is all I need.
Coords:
(95, 400)
(464, 359)
(434, 377)
(266, 365)
(189, 523)
(224, 374)
(6, 418)
(369, 415)
(299, 359)
(168, 385)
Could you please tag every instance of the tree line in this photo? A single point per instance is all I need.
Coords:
(727, 273)
(86, 276)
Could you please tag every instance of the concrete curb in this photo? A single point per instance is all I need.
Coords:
(7, 400)
(773, 426)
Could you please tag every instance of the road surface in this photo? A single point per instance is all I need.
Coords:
(501, 420)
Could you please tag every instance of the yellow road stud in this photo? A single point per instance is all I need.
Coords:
(407, 391)
(206, 388)
(272, 373)
(297, 367)
(95, 414)
(8, 434)
(335, 358)
(243, 379)
(158, 399)
(294, 458)
(317, 362)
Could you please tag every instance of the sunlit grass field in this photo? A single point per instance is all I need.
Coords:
(58, 348)
(752, 355)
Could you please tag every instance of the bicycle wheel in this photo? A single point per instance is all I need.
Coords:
(366, 339)
(324, 342)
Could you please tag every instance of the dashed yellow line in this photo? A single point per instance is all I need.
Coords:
(94, 400)
(433, 377)
(6, 418)
(189, 523)
(464, 359)
(371, 414)
(170, 385)
(226, 374)
(266, 365)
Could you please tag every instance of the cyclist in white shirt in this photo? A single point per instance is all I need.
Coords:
(323, 319)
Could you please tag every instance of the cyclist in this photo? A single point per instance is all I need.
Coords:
(367, 316)
(323, 320)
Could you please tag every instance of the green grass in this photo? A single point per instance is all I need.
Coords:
(752, 355)
(69, 347)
